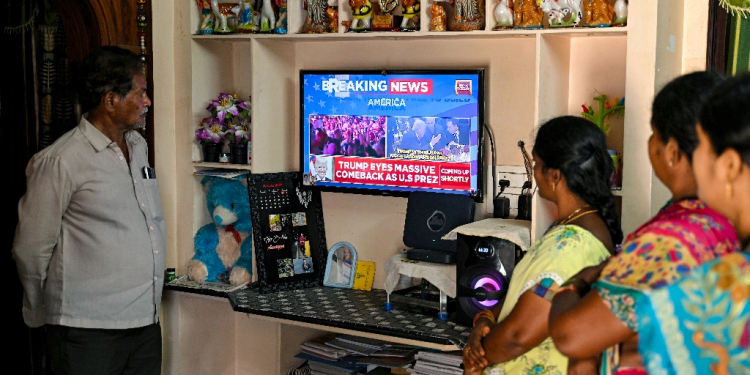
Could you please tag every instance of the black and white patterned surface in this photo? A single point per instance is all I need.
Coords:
(350, 309)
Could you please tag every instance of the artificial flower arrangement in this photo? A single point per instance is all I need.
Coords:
(229, 119)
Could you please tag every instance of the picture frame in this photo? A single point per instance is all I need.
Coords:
(341, 266)
(288, 232)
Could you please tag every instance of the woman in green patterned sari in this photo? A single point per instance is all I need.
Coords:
(572, 170)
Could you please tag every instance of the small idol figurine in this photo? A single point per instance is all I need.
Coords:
(467, 15)
(598, 13)
(317, 19)
(246, 21)
(281, 22)
(382, 18)
(621, 12)
(207, 17)
(361, 15)
(439, 18)
(410, 11)
(527, 14)
(333, 15)
(562, 13)
(503, 15)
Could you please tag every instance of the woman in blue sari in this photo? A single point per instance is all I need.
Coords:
(701, 325)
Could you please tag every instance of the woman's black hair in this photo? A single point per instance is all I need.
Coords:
(676, 108)
(725, 116)
(578, 149)
(105, 69)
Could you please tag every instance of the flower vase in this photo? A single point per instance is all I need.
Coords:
(211, 152)
(239, 153)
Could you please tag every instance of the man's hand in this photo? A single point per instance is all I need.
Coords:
(435, 139)
(474, 351)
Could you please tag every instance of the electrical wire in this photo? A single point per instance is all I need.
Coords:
(492, 147)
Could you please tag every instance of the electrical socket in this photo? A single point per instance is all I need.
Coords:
(515, 174)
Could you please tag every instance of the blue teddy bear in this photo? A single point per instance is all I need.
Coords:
(223, 249)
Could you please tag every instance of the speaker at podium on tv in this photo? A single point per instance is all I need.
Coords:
(484, 266)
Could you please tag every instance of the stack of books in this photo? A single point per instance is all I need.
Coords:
(391, 358)
(438, 363)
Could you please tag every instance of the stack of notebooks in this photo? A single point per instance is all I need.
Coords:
(345, 354)
(438, 363)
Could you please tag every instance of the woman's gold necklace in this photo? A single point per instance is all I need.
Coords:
(575, 215)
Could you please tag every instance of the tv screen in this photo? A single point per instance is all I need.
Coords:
(393, 132)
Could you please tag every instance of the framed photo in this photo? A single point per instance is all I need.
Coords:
(341, 266)
(288, 232)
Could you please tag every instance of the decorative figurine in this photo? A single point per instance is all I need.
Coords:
(383, 18)
(361, 15)
(246, 20)
(317, 20)
(281, 22)
(207, 17)
(439, 18)
(605, 109)
(598, 13)
(527, 14)
(503, 15)
(467, 15)
(267, 17)
(410, 11)
(224, 11)
(621, 13)
(333, 14)
(562, 13)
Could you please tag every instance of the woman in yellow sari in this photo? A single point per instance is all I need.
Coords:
(572, 170)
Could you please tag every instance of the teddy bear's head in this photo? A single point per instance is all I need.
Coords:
(228, 203)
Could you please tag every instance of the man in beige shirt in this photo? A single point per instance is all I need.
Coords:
(90, 240)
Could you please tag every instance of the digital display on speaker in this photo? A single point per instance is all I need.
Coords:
(484, 249)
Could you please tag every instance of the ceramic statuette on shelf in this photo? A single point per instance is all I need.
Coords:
(207, 17)
(503, 15)
(439, 18)
(333, 15)
(281, 27)
(317, 20)
(247, 18)
(621, 13)
(527, 14)
(224, 12)
(598, 13)
(382, 15)
(361, 15)
(468, 15)
(562, 13)
(410, 11)
(267, 17)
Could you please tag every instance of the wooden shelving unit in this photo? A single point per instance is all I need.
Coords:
(531, 76)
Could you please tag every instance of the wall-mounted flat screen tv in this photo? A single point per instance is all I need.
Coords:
(393, 132)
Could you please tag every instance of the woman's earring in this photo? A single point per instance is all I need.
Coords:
(553, 186)
(671, 163)
(729, 190)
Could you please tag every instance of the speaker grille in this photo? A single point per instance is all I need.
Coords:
(476, 277)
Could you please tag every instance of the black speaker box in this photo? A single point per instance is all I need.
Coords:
(484, 266)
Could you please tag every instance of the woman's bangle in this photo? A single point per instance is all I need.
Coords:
(485, 314)
(573, 284)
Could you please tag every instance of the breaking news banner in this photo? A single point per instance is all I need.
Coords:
(402, 173)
